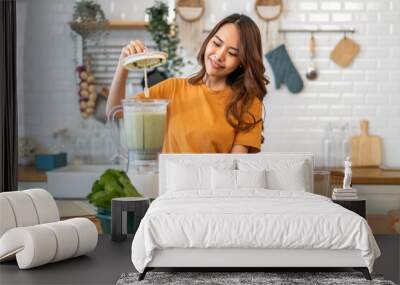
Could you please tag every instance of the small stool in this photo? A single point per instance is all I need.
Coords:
(119, 208)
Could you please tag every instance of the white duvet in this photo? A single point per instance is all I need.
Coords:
(253, 218)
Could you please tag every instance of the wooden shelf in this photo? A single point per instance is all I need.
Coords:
(112, 25)
(126, 25)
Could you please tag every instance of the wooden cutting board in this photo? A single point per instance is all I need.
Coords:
(366, 150)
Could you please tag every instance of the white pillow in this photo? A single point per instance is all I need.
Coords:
(182, 177)
(236, 179)
(251, 178)
(282, 174)
(223, 179)
(287, 177)
(189, 174)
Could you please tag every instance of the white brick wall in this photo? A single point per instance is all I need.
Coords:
(368, 89)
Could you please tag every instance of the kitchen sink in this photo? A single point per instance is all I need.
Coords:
(75, 181)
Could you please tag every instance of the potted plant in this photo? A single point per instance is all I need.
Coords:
(112, 183)
(165, 36)
(88, 19)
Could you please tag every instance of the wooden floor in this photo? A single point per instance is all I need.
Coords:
(111, 259)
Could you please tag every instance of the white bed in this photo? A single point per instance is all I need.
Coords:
(201, 219)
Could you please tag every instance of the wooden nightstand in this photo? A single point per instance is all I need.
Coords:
(358, 206)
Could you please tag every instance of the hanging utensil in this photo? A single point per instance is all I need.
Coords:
(345, 51)
(312, 72)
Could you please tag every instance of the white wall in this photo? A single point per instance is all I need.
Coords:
(369, 88)
(45, 69)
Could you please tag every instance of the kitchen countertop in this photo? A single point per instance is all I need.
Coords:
(373, 175)
(369, 175)
(30, 174)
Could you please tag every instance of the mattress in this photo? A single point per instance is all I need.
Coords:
(251, 219)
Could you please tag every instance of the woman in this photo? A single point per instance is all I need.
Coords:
(219, 109)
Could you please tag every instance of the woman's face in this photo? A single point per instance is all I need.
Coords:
(222, 52)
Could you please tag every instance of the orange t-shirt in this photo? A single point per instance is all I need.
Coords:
(196, 120)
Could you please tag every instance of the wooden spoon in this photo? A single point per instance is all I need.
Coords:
(312, 72)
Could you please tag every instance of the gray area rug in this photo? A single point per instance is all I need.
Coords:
(269, 278)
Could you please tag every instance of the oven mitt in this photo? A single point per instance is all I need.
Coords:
(284, 70)
(344, 52)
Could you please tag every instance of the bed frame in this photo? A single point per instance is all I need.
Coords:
(248, 259)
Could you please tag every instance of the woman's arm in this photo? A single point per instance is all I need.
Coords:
(237, 148)
(251, 139)
(117, 89)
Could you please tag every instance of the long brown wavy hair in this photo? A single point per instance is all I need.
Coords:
(247, 81)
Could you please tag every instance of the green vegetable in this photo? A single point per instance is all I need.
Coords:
(112, 183)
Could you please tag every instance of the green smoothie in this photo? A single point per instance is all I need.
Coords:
(144, 130)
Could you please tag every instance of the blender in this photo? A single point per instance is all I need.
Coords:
(141, 130)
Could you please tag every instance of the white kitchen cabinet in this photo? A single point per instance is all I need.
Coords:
(380, 198)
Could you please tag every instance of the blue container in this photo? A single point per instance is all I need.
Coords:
(50, 161)
(105, 218)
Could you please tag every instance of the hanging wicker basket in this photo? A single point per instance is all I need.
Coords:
(190, 10)
(269, 10)
(88, 28)
(88, 18)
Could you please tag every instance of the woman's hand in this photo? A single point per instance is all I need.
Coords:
(133, 47)
(237, 148)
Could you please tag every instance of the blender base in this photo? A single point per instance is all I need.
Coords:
(143, 175)
(145, 178)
